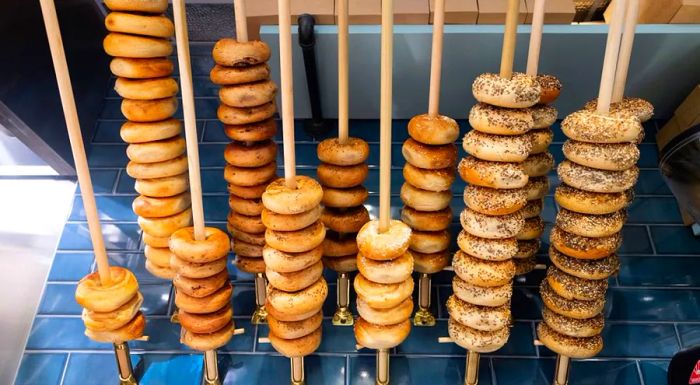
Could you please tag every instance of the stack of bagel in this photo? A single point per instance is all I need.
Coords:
(497, 172)
(293, 250)
(203, 291)
(138, 40)
(247, 108)
(597, 178)
(111, 313)
(431, 157)
(342, 171)
(384, 285)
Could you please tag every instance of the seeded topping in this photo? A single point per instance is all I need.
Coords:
(585, 268)
(533, 208)
(574, 347)
(541, 139)
(498, 120)
(588, 126)
(520, 88)
(543, 115)
(487, 249)
(606, 156)
(590, 225)
(477, 340)
(492, 201)
(594, 180)
(527, 248)
(573, 327)
(492, 174)
(491, 226)
(563, 240)
(549, 82)
(497, 147)
(640, 108)
(537, 187)
(573, 287)
(570, 307)
(480, 272)
(538, 165)
(479, 295)
(524, 265)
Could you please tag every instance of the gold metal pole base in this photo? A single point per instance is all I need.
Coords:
(343, 317)
(424, 318)
(382, 375)
(297, 375)
(561, 371)
(259, 316)
(128, 381)
(211, 369)
(126, 371)
(471, 375)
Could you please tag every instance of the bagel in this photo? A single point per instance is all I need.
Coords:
(283, 262)
(247, 250)
(385, 317)
(518, 91)
(297, 241)
(589, 126)
(156, 151)
(138, 47)
(584, 247)
(113, 320)
(160, 207)
(145, 111)
(573, 327)
(491, 201)
(396, 270)
(429, 241)
(252, 238)
(533, 229)
(248, 192)
(492, 227)
(543, 116)
(250, 207)
(245, 115)
(92, 295)
(380, 295)
(574, 347)
(171, 167)
(146, 89)
(298, 347)
(163, 187)
(165, 226)
(533, 209)
(290, 222)
(588, 225)
(425, 200)
(603, 156)
(141, 68)
(383, 246)
(497, 148)
(342, 176)
(537, 187)
(339, 245)
(341, 264)
(477, 340)
(640, 108)
(309, 299)
(344, 197)
(594, 180)
(550, 88)
(255, 154)
(197, 270)
(205, 323)
(375, 336)
(433, 129)
(146, 6)
(431, 180)
(527, 249)
(540, 140)
(161, 272)
(131, 331)
(537, 165)
(225, 76)
(250, 176)
(248, 94)
(430, 263)
(587, 202)
(585, 268)
(483, 318)
(571, 308)
(208, 304)
(295, 329)
(479, 272)
(134, 132)
(348, 220)
(354, 151)
(200, 287)
(499, 175)
(281, 199)
(252, 132)
(152, 241)
(482, 296)
(185, 245)
(234, 53)
(487, 249)
(426, 220)
(295, 281)
(159, 256)
(146, 25)
(250, 265)
(429, 157)
(524, 265)
(491, 119)
(575, 288)
(207, 341)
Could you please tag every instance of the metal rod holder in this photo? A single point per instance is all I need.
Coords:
(343, 316)
(423, 316)
(260, 313)
(471, 375)
(382, 367)
(297, 371)
(561, 371)
(126, 371)
(211, 369)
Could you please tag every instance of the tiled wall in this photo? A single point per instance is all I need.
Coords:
(652, 307)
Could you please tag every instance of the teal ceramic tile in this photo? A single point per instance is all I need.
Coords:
(272, 369)
(242, 342)
(107, 155)
(162, 335)
(111, 208)
(654, 372)
(654, 210)
(659, 271)
(213, 181)
(639, 340)
(653, 305)
(415, 371)
(61, 333)
(116, 236)
(59, 299)
(103, 180)
(604, 372)
(70, 266)
(169, 369)
(689, 334)
(515, 371)
(107, 131)
(80, 369)
(41, 369)
(243, 299)
(674, 240)
(216, 208)
(424, 340)
(635, 240)
(651, 183)
(649, 155)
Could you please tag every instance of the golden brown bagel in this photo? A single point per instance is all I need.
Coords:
(133, 46)
(483, 273)
(429, 241)
(309, 299)
(588, 225)
(434, 130)
(200, 287)
(159, 256)
(344, 197)
(248, 94)
(380, 295)
(477, 340)
(252, 132)
(283, 200)
(430, 263)
(245, 115)
(255, 154)
(339, 245)
(533, 229)
(290, 262)
(584, 247)
(197, 270)
(342, 176)
(134, 132)
(295, 329)
(163, 187)
(249, 207)
(141, 68)
(497, 148)
(537, 187)
(295, 281)
(374, 336)
(573, 327)
(348, 220)
(172, 167)
(107, 321)
(540, 139)
(222, 75)
(247, 250)
(146, 89)
(135, 24)
(290, 222)
(640, 108)
(483, 318)
(131, 331)
(587, 202)
(156, 151)
(603, 156)
(208, 341)
(482, 296)
(429, 157)
(396, 270)
(499, 175)
(92, 295)
(341, 264)
(146, 6)
(233, 53)
(575, 288)
(527, 249)
(250, 265)
(574, 347)
(165, 226)
(391, 316)
(350, 153)
(571, 308)
(425, 200)
(431, 180)
(298, 347)
(214, 246)
(149, 110)
(248, 192)
(538, 165)
(206, 323)
(426, 220)
(152, 241)
(297, 241)
(205, 305)
(383, 246)
(160, 207)
(491, 201)
(250, 176)
(491, 119)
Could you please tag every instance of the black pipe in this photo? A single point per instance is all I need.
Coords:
(307, 42)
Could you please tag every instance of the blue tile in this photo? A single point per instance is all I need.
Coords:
(649, 155)
(637, 340)
(268, 369)
(206, 108)
(242, 342)
(214, 132)
(116, 236)
(653, 305)
(169, 369)
(604, 372)
(111, 208)
(520, 342)
(155, 298)
(204, 87)
(216, 208)
(659, 271)
(512, 371)
(125, 184)
(424, 340)
(41, 369)
(162, 335)
(59, 299)
(243, 299)
(212, 181)
(651, 183)
(526, 303)
(52, 333)
(103, 181)
(107, 155)
(70, 266)
(81, 369)
(112, 109)
(416, 371)
(211, 155)
(654, 210)
(654, 372)
(107, 131)
(674, 240)
(689, 334)
(635, 240)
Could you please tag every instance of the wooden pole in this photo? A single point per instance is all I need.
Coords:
(612, 49)
(70, 113)
(533, 56)
(343, 73)
(509, 39)
(386, 84)
(287, 88)
(241, 20)
(623, 60)
(436, 59)
(183, 59)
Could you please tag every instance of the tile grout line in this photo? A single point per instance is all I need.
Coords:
(678, 335)
(347, 369)
(639, 372)
(65, 369)
(494, 381)
(651, 239)
(115, 186)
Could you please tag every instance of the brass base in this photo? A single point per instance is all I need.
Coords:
(259, 316)
(424, 318)
(296, 373)
(128, 381)
(382, 375)
(211, 382)
(343, 317)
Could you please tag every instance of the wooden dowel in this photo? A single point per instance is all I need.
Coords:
(287, 91)
(436, 58)
(533, 55)
(70, 113)
(241, 20)
(612, 49)
(509, 38)
(623, 60)
(386, 84)
(343, 73)
(190, 119)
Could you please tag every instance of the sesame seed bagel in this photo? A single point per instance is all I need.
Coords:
(527, 249)
(483, 273)
(425, 200)
(384, 246)
(380, 295)
(284, 200)
(344, 197)
(491, 201)
(584, 247)
(640, 108)
(428, 156)
(533, 208)
(483, 296)
(491, 226)
(144, 111)
(297, 241)
(519, 91)
(524, 265)
(353, 151)
(487, 249)
(484, 318)
(431, 180)
(396, 270)
(594, 180)
(499, 175)
(224, 76)
(245, 115)
(252, 132)
(349, 220)
(587, 202)
(477, 340)
(550, 86)
(588, 126)
(603, 156)
(574, 347)
(573, 327)
(391, 316)
(572, 308)
(145, 68)
(283, 262)
(497, 148)
(430, 263)
(533, 229)
(572, 287)
(537, 187)
(537, 165)
(234, 53)
(248, 94)
(250, 154)
(426, 220)
(588, 225)
(540, 139)
(543, 116)
(375, 336)
(594, 269)
(491, 119)
(435, 130)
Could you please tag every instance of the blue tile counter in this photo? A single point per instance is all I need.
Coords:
(653, 308)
